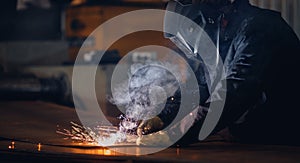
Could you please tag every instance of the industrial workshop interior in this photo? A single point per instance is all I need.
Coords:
(142, 81)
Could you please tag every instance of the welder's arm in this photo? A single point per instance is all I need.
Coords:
(163, 119)
(245, 69)
(168, 114)
(251, 54)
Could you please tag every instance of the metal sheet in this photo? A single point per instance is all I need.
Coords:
(28, 134)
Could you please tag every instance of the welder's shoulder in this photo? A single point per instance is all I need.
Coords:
(268, 14)
(263, 23)
(262, 20)
(273, 26)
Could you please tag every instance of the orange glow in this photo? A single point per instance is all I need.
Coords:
(107, 152)
(101, 151)
(108, 141)
(39, 147)
(12, 146)
(177, 151)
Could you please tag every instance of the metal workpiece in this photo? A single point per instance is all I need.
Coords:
(30, 87)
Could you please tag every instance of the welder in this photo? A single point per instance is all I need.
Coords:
(260, 52)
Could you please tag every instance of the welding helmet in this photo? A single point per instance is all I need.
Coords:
(206, 16)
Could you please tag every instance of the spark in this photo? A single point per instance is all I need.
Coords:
(99, 136)
(12, 146)
(143, 97)
(39, 147)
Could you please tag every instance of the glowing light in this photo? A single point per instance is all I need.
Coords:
(101, 135)
(149, 86)
(107, 152)
(39, 147)
(108, 141)
(12, 146)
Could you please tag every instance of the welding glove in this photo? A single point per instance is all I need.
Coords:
(160, 138)
(150, 126)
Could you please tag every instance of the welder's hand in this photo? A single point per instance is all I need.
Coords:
(160, 138)
(149, 126)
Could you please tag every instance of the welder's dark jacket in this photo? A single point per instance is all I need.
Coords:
(260, 54)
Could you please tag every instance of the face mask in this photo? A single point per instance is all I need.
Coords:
(205, 15)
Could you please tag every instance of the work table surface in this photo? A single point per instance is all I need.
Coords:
(28, 134)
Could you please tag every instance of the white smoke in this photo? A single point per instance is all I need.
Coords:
(144, 95)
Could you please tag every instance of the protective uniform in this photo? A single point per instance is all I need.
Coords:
(260, 53)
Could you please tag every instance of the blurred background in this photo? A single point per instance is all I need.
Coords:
(42, 37)
(39, 42)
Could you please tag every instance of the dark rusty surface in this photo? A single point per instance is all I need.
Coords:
(29, 123)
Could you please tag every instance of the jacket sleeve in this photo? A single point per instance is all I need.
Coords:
(245, 67)
(173, 103)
